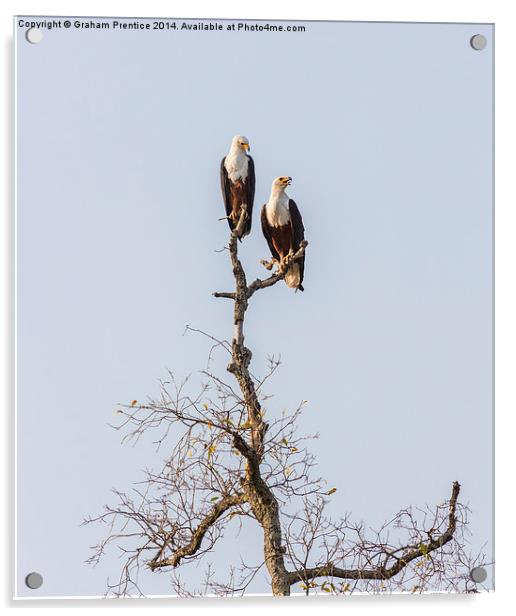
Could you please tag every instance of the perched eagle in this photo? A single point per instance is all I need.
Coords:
(237, 182)
(283, 229)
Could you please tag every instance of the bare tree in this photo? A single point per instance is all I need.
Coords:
(228, 461)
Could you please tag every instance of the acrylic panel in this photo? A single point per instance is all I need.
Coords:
(254, 307)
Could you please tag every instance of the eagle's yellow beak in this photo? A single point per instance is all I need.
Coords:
(246, 147)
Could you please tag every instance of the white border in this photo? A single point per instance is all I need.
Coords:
(14, 334)
(502, 13)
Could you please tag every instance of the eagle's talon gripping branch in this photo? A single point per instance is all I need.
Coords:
(242, 219)
(287, 260)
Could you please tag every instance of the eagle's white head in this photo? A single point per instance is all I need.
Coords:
(281, 182)
(240, 143)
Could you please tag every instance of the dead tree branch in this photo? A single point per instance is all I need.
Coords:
(384, 572)
(195, 542)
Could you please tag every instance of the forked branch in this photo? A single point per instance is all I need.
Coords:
(384, 572)
(260, 283)
(195, 543)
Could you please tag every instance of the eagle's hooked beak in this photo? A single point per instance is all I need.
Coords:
(246, 147)
(289, 181)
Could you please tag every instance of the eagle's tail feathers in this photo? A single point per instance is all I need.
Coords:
(293, 277)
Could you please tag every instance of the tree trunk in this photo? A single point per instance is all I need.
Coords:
(263, 502)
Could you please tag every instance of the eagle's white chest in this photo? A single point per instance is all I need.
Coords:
(277, 211)
(236, 164)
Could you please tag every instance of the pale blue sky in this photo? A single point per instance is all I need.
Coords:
(386, 130)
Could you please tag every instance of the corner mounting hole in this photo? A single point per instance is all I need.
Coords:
(478, 575)
(478, 42)
(34, 580)
(34, 35)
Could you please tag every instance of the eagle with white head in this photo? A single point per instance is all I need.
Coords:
(283, 229)
(237, 181)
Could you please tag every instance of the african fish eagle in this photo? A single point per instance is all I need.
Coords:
(238, 182)
(283, 229)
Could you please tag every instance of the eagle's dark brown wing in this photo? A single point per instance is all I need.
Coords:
(266, 228)
(250, 184)
(298, 235)
(226, 192)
